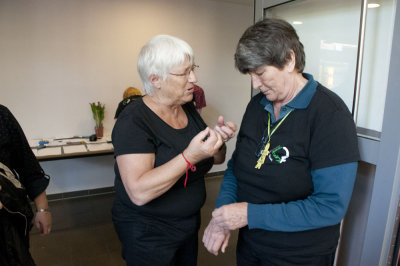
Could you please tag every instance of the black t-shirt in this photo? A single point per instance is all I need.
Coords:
(139, 130)
(319, 136)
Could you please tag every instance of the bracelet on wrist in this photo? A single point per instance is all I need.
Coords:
(188, 165)
(43, 210)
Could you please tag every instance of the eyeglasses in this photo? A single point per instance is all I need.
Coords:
(187, 72)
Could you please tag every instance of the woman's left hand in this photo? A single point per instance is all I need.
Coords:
(43, 222)
(226, 130)
(232, 216)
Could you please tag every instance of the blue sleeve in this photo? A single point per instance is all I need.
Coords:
(326, 206)
(227, 192)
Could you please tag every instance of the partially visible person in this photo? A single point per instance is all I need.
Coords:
(163, 149)
(199, 98)
(130, 94)
(291, 176)
(20, 176)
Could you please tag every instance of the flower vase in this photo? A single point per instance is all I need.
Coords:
(99, 131)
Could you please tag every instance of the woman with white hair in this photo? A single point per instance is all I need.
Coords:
(163, 149)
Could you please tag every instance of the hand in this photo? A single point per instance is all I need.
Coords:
(226, 130)
(215, 238)
(43, 222)
(203, 145)
(231, 216)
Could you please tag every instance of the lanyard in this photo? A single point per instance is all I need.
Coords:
(265, 152)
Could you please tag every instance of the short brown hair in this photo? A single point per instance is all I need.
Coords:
(269, 42)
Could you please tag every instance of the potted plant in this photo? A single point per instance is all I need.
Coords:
(98, 115)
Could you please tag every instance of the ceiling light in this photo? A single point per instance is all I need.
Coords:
(373, 5)
(297, 22)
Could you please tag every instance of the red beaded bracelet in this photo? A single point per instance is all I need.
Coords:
(192, 168)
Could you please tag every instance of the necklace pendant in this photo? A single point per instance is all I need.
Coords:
(266, 149)
(264, 155)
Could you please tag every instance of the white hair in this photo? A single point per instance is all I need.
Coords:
(159, 56)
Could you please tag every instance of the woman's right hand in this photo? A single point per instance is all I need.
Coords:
(203, 145)
(215, 238)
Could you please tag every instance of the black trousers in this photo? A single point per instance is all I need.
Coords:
(155, 243)
(249, 254)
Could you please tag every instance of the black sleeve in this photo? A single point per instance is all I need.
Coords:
(131, 135)
(20, 156)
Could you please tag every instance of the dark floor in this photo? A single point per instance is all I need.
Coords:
(83, 234)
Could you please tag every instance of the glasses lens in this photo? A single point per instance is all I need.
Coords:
(187, 72)
(192, 68)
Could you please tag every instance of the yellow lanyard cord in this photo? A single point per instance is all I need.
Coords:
(265, 152)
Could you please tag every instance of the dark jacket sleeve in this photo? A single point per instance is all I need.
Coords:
(20, 156)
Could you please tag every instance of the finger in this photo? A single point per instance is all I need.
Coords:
(230, 132)
(203, 239)
(213, 135)
(46, 227)
(203, 135)
(220, 121)
(206, 235)
(214, 248)
(210, 246)
(218, 242)
(207, 242)
(223, 248)
(219, 142)
(37, 224)
(232, 126)
(225, 243)
(216, 140)
(223, 134)
(209, 238)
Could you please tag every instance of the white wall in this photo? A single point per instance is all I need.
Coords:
(57, 56)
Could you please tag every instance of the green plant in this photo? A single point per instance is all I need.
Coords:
(98, 113)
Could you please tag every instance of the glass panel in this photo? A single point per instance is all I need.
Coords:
(375, 70)
(329, 32)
